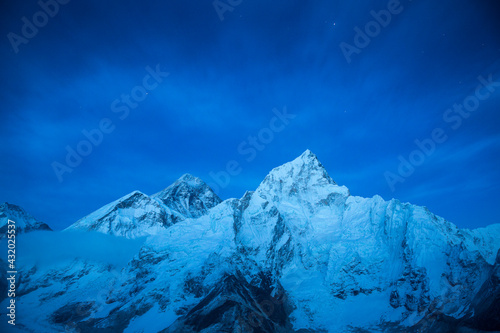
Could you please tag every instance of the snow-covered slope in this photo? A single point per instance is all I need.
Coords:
(133, 215)
(299, 254)
(24, 222)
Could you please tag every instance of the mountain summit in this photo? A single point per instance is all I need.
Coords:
(189, 196)
(305, 170)
(302, 180)
(24, 222)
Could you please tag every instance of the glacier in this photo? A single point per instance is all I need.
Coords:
(298, 254)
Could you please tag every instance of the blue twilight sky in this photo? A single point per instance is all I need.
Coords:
(226, 76)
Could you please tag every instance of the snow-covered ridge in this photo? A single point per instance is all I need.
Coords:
(24, 222)
(137, 214)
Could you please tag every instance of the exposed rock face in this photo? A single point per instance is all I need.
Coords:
(234, 305)
(299, 254)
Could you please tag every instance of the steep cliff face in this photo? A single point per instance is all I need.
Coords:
(283, 258)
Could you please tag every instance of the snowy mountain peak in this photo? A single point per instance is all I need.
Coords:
(137, 214)
(5, 206)
(310, 159)
(189, 195)
(307, 154)
(130, 199)
(24, 222)
(190, 179)
(306, 166)
(303, 174)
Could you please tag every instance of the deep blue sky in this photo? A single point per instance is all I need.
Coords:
(225, 78)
